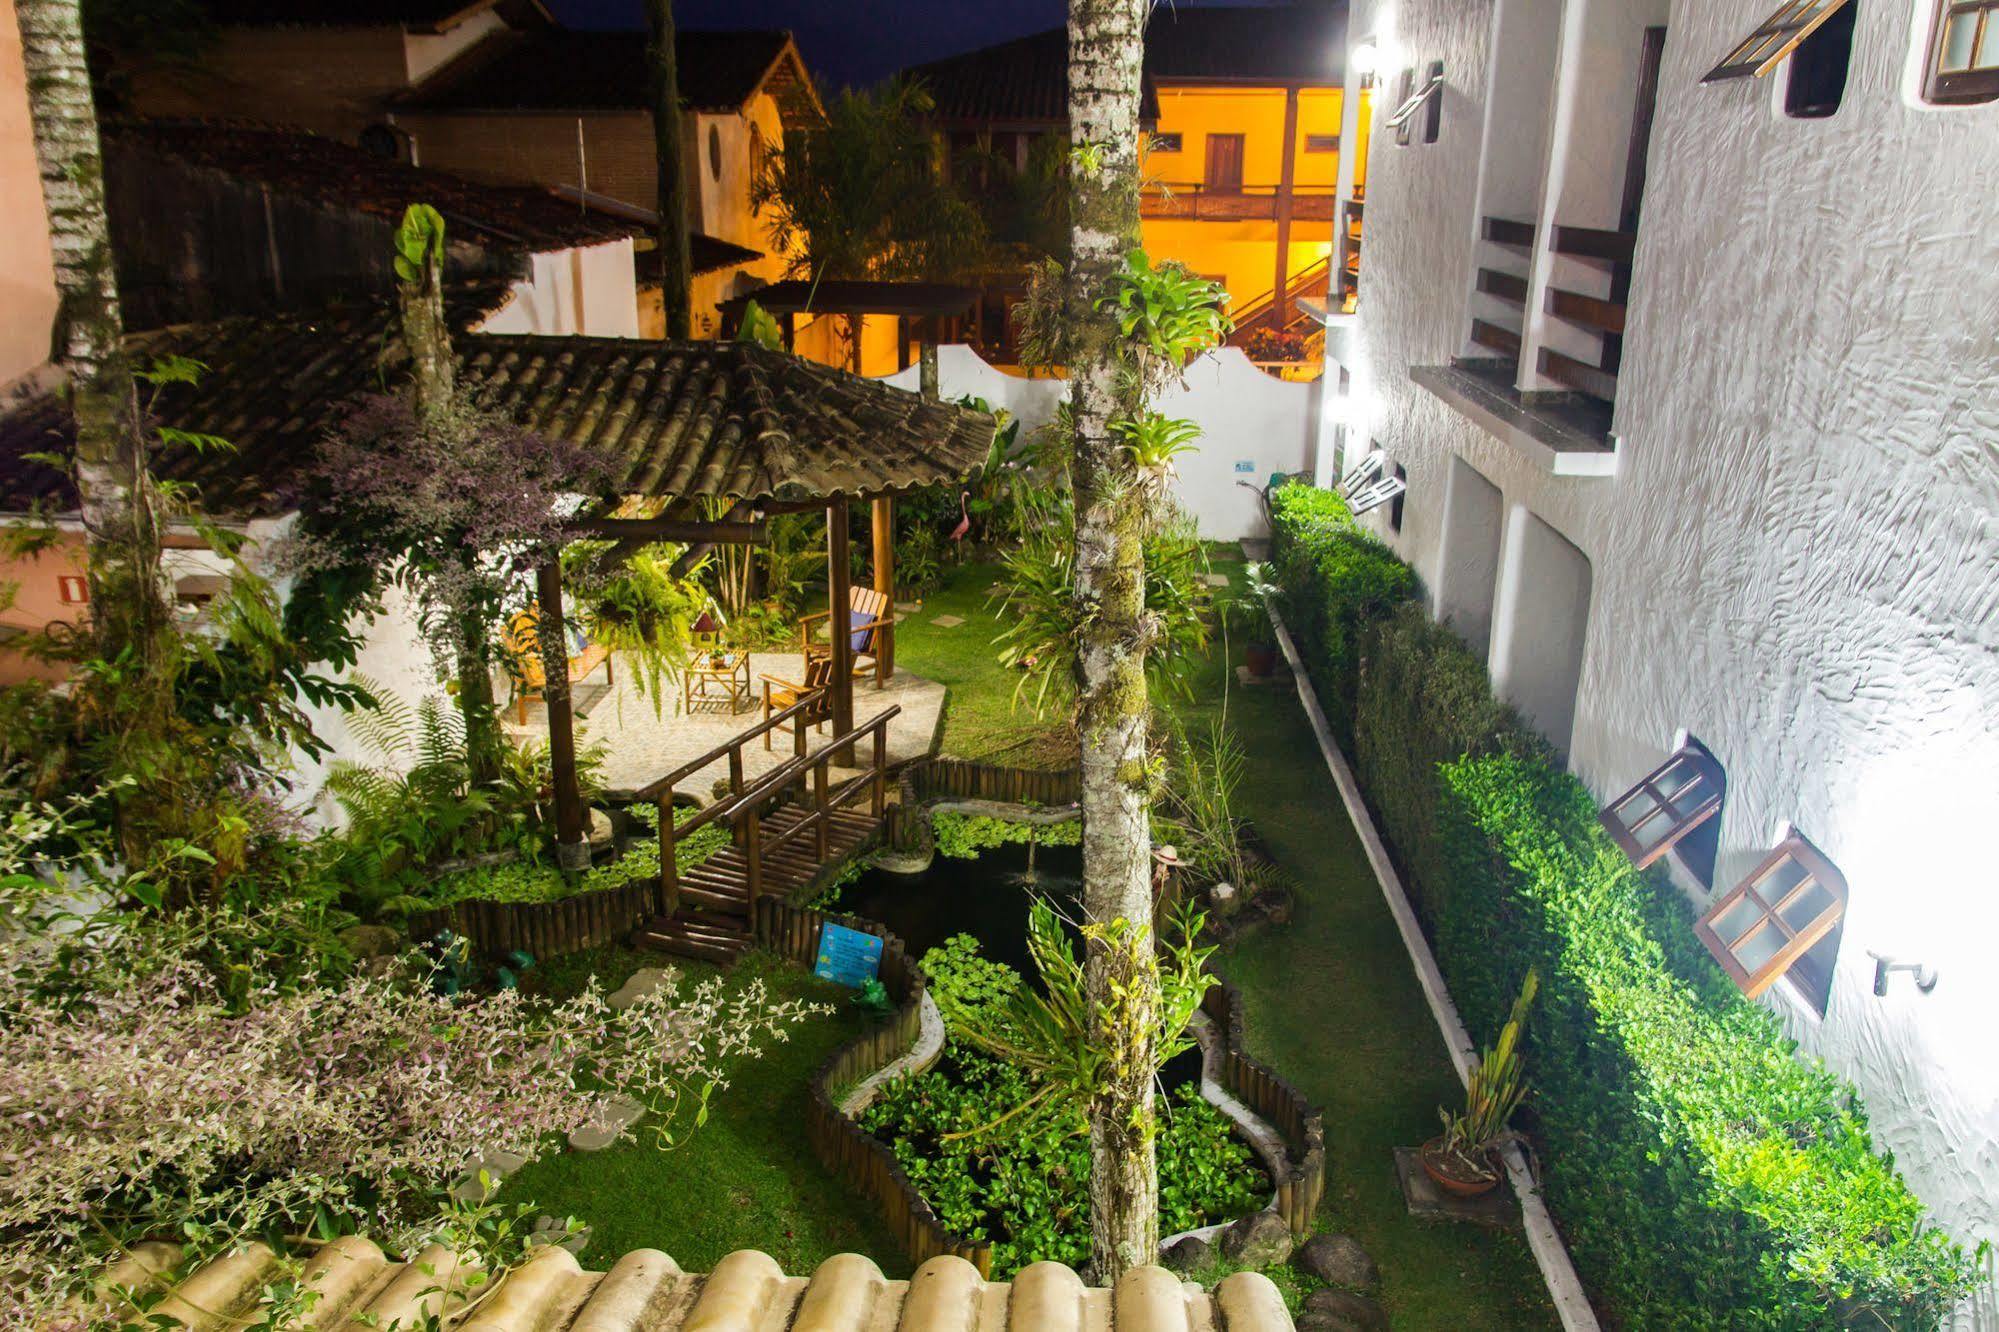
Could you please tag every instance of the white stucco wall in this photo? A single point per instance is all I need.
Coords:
(1252, 425)
(590, 290)
(1798, 558)
(27, 277)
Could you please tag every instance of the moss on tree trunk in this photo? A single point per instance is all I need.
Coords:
(1106, 49)
(677, 265)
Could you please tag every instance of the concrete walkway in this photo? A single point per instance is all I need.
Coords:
(646, 744)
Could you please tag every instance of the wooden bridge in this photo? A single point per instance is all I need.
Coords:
(785, 827)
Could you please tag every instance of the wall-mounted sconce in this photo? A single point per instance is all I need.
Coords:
(1885, 966)
(1366, 60)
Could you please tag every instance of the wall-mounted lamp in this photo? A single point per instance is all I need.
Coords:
(1884, 966)
(1366, 60)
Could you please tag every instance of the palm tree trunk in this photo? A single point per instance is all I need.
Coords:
(127, 608)
(677, 267)
(1106, 48)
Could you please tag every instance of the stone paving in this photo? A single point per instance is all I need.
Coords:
(645, 744)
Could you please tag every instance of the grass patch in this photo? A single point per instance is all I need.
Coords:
(747, 1179)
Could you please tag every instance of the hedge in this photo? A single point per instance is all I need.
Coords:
(1701, 1173)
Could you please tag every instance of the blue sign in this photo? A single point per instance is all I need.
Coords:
(1246, 465)
(847, 956)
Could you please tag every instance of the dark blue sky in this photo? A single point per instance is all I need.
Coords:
(847, 41)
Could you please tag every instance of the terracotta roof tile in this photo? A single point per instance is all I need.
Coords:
(645, 1291)
(678, 419)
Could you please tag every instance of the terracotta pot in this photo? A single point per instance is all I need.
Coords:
(1260, 658)
(1448, 1173)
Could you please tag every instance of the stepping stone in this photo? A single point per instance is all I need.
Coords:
(948, 621)
(643, 982)
(554, 1230)
(908, 607)
(620, 1113)
(1215, 580)
(497, 1165)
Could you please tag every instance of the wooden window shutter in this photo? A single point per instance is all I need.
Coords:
(1763, 925)
(1665, 805)
(1759, 52)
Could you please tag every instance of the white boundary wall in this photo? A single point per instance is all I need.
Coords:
(1252, 424)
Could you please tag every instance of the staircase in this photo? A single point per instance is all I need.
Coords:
(786, 827)
(1261, 313)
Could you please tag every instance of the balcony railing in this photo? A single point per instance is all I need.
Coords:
(1247, 203)
(1603, 316)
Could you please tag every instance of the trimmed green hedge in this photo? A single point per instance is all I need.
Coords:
(1702, 1174)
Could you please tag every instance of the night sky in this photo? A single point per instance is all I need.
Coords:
(847, 41)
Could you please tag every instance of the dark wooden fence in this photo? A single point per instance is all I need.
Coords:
(1302, 1182)
(544, 929)
(856, 1157)
(930, 780)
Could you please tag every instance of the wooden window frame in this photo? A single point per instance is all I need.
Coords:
(1959, 87)
(1401, 117)
(1170, 141)
(1797, 941)
(1776, 37)
(1322, 143)
(1681, 819)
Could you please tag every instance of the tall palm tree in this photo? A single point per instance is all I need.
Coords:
(677, 264)
(1106, 50)
(128, 611)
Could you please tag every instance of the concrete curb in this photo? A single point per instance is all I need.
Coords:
(1565, 1288)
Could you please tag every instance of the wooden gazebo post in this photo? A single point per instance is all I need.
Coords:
(839, 620)
(572, 846)
(884, 562)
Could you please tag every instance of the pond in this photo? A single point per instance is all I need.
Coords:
(986, 897)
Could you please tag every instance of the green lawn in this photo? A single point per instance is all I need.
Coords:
(1332, 1004)
(747, 1179)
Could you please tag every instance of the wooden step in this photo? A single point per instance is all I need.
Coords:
(694, 937)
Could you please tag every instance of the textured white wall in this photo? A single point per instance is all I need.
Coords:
(1252, 425)
(588, 290)
(1799, 558)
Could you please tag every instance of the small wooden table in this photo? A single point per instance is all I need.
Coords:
(706, 682)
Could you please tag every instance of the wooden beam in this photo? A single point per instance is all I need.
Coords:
(839, 622)
(884, 562)
(674, 529)
(572, 848)
(1280, 301)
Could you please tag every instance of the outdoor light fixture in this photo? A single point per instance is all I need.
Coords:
(1366, 60)
(1885, 965)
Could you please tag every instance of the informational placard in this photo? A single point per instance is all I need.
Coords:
(846, 956)
(1246, 465)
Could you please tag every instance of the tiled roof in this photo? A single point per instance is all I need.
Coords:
(708, 254)
(338, 176)
(838, 296)
(1026, 81)
(563, 70)
(678, 419)
(645, 1291)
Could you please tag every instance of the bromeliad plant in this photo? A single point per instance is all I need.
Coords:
(1154, 440)
(1166, 313)
(1463, 1151)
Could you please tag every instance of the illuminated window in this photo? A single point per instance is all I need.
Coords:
(1666, 805)
(1165, 143)
(1322, 143)
(1762, 50)
(1964, 52)
(1766, 924)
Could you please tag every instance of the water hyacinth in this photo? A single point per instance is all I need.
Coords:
(153, 1106)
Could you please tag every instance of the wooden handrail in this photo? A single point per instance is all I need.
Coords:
(692, 766)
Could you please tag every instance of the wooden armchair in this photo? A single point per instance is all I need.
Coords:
(524, 645)
(817, 688)
(873, 630)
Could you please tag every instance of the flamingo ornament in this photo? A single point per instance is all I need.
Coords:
(964, 519)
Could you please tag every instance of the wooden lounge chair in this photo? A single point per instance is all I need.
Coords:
(781, 694)
(873, 628)
(524, 644)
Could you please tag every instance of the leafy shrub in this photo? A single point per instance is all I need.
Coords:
(1695, 1164)
(1027, 1189)
(964, 836)
(531, 881)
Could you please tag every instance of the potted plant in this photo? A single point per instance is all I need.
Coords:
(1460, 1159)
(1251, 610)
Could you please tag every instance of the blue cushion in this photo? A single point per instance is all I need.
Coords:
(858, 621)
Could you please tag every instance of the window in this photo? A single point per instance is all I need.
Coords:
(1322, 143)
(1166, 143)
(1433, 112)
(1401, 479)
(1666, 805)
(1762, 50)
(1818, 67)
(1369, 485)
(1964, 59)
(1765, 925)
(715, 151)
(1224, 167)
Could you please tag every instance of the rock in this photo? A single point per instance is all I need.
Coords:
(1278, 910)
(620, 1113)
(553, 1230)
(1338, 1260)
(1341, 1311)
(642, 983)
(372, 941)
(1190, 1254)
(1259, 1240)
(1224, 898)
